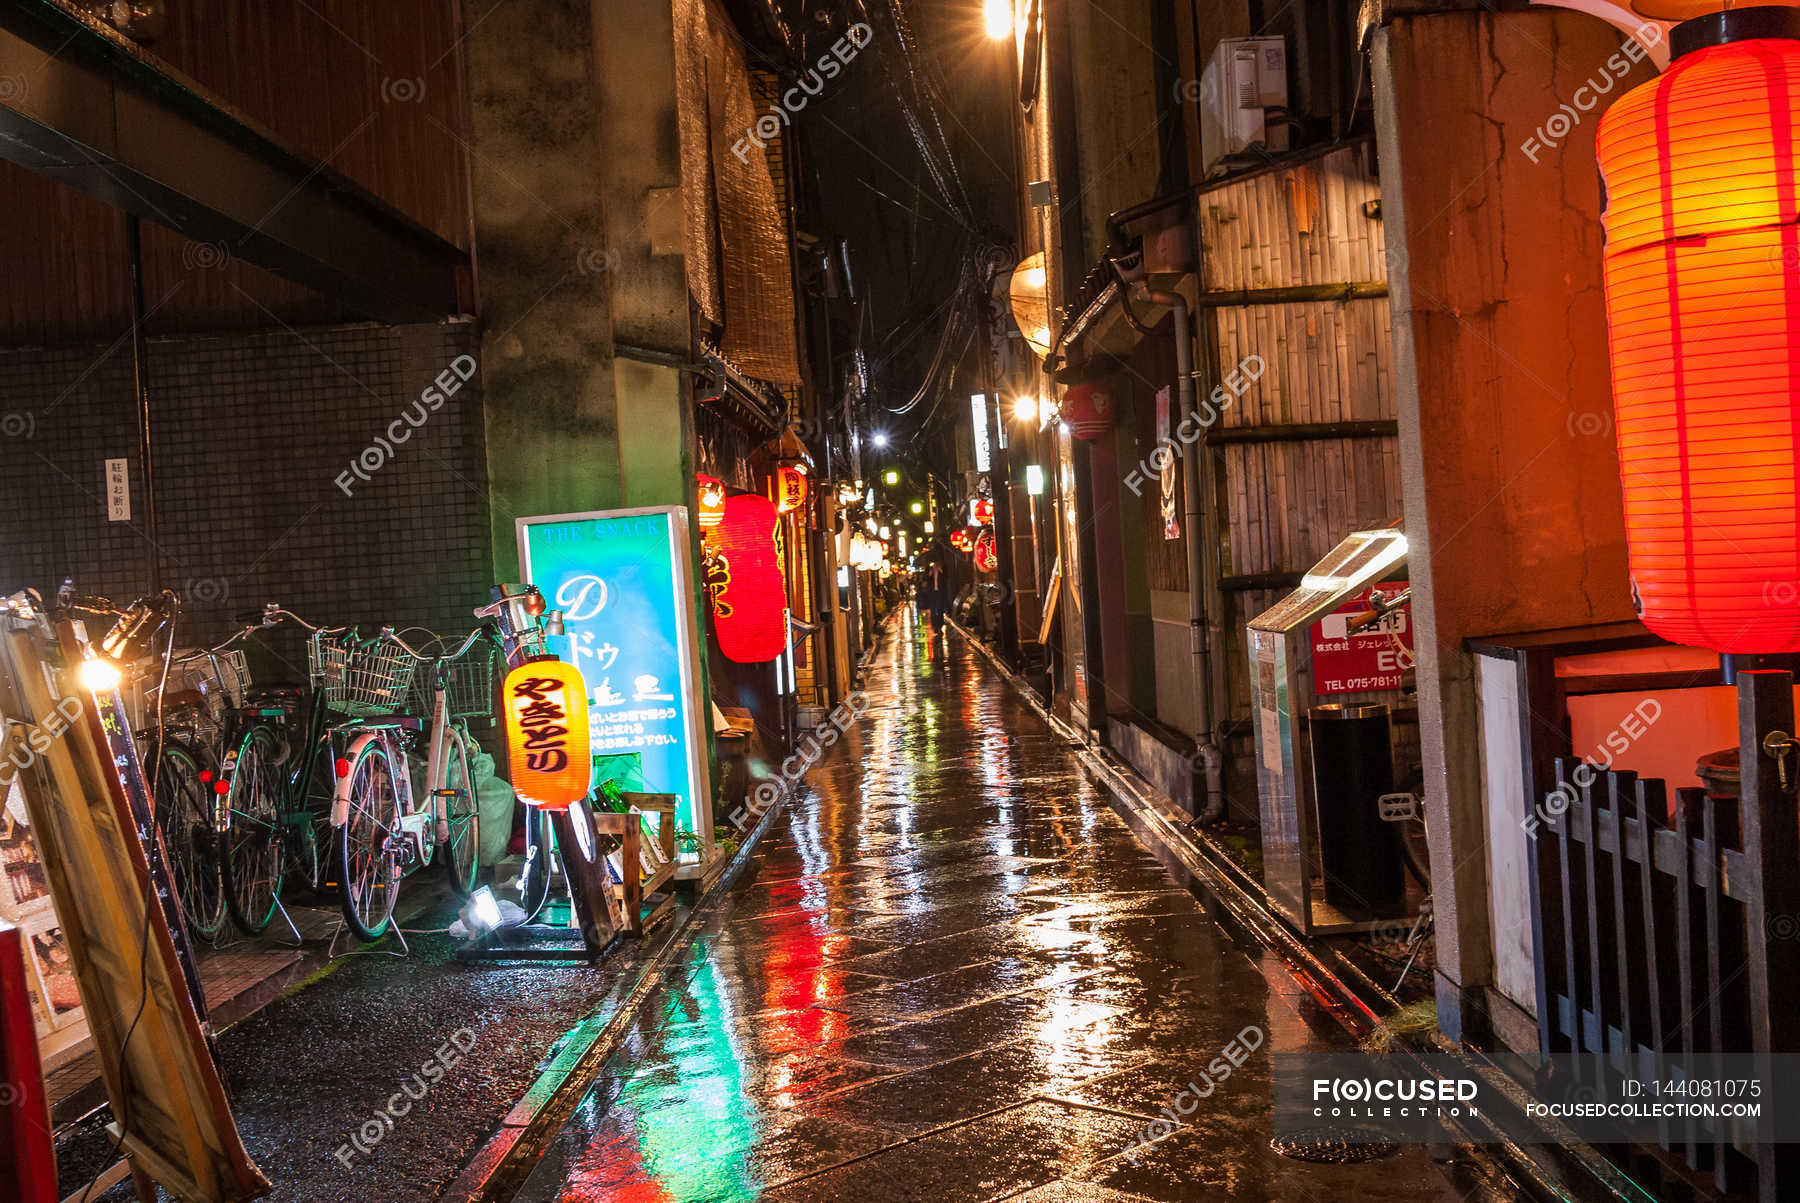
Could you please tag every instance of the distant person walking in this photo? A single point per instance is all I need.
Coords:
(934, 584)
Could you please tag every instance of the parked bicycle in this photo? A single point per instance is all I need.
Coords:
(176, 702)
(379, 834)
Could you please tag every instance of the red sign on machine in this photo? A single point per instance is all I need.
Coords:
(1366, 660)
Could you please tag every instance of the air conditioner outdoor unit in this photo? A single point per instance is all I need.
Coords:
(1245, 78)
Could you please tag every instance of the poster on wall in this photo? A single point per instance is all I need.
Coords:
(25, 903)
(1166, 468)
(621, 580)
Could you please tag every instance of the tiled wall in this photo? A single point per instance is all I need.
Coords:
(250, 435)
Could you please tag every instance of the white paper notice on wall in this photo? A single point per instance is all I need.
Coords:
(118, 490)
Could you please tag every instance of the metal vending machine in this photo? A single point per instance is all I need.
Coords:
(1299, 648)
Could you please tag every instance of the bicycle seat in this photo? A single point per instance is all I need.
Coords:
(177, 698)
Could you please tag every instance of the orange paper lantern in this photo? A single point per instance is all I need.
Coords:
(1702, 266)
(712, 501)
(547, 733)
(748, 588)
(790, 487)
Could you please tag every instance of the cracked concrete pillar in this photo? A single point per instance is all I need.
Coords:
(1492, 203)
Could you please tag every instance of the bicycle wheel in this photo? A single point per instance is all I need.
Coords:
(183, 812)
(252, 862)
(309, 823)
(367, 849)
(534, 877)
(461, 848)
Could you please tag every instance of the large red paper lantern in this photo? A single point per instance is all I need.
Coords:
(1088, 409)
(1702, 264)
(545, 703)
(749, 591)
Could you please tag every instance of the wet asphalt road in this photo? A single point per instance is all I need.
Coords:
(951, 973)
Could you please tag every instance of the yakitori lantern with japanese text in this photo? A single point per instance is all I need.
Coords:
(1088, 409)
(546, 712)
(790, 487)
(712, 501)
(749, 590)
(1702, 268)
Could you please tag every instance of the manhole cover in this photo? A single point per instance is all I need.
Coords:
(1333, 1146)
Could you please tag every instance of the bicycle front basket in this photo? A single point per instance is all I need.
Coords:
(360, 677)
(468, 683)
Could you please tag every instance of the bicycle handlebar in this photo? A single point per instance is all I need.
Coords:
(388, 634)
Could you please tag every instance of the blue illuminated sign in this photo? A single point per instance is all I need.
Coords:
(620, 577)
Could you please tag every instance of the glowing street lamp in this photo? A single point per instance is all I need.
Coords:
(997, 15)
(891, 477)
(918, 507)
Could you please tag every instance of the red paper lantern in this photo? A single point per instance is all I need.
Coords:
(959, 538)
(982, 510)
(748, 588)
(546, 708)
(1088, 409)
(790, 487)
(712, 501)
(1702, 264)
(987, 555)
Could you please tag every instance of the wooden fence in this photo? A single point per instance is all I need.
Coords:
(1669, 933)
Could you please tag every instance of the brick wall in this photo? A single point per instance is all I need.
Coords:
(251, 434)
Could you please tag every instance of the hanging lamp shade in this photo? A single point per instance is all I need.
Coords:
(749, 592)
(1028, 294)
(1702, 271)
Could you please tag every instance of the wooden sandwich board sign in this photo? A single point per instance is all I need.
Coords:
(85, 792)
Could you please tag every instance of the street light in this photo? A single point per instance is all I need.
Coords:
(878, 439)
(891, 477)
(918, 507)
(998, 15)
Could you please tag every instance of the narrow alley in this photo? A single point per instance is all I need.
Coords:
(951, 972)
(672, 601)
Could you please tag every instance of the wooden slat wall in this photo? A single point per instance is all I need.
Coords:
(374, 90)
(1328, 361)
(1325, 361)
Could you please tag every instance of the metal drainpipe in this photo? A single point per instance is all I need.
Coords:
(1208, 749)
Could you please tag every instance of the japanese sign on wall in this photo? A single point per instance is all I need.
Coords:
(1362, 661)
(620, 577)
